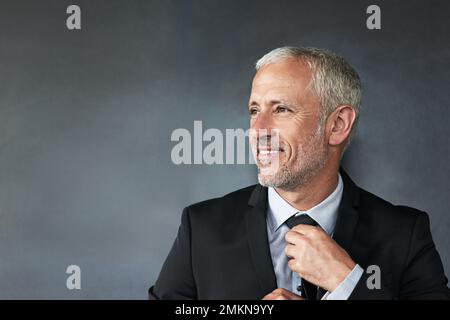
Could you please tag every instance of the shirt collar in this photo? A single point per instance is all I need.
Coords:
(325, 213)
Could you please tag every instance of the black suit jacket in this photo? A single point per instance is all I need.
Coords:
(222, 251)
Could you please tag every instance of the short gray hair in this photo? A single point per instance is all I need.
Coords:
(334, 80)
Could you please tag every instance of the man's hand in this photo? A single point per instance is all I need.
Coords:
(316, 257)
(282, 294)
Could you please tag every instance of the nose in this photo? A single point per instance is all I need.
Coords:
(261, 121)
(262, 128)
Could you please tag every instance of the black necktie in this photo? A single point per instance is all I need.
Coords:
(309, 290)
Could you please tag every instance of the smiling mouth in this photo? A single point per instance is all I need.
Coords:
(269, 149)
(268, 154)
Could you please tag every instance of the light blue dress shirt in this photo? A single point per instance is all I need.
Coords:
(325, 213)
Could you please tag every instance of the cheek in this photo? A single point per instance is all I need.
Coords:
(290, 145)
(295, 138)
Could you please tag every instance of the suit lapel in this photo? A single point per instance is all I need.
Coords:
(258, 240)
(347, 218)
(347, 213)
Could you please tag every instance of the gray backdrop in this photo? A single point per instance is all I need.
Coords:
(86, 116)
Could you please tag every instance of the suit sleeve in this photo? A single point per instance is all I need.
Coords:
(422, 276)
(176, 280)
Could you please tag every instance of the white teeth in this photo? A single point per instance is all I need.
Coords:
(266, 152)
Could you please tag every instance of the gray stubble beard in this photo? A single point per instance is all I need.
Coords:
(310, 161)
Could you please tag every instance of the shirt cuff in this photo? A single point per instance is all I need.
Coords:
(346, 287)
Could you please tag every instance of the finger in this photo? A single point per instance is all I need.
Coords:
(274, 295)
(292, 296)
(289, 250)
(293, 237)
(296, 266)
(306, 230)
(293, 265)
(282, 294)
(269, 296)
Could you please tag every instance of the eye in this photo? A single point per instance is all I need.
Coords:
(282, 109)
(252, 111)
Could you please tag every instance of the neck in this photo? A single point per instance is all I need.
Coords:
(318, 188)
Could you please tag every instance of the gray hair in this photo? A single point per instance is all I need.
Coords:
(334, 81)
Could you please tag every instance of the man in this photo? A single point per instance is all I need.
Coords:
(306, 231)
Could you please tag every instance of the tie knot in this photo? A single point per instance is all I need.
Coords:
(301, 219)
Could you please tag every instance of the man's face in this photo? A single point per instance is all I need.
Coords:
(286, 135)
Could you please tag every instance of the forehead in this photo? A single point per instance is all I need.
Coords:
(289, 78)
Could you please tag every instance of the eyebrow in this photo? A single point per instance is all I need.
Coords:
(272, 102)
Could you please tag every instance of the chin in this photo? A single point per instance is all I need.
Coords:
(269, 180)
(282, 178)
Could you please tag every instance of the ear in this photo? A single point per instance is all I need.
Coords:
(340, 124)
